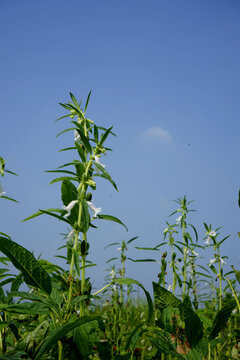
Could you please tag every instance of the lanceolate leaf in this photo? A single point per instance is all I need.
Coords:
(88, 98)
(23, 260)
(104, 174)
(38, 213)
(111, 218)
(9, 198)
(104, 136)
(142, 260)
(61, 332)
(84, 140)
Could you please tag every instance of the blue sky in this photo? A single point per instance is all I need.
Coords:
(165, 74)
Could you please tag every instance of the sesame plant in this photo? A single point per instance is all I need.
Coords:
(51, 312)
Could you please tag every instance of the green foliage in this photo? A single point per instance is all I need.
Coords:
(23, 260)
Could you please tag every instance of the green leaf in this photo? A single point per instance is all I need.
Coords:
(84, 139)
(112, 244)
(81, 151)
(132, 239)
(62, 117)
(88, 98)
(68, 192)
(68, 148)
(237, 274)
(74, 99)
(27, 308)
(23, 260)
(129, 281)
(135, 336)
(8, 198)
(85, 217)
(239, 198)
(55, 215)
(104, 136)
(109, 260)
(162, 343)
(38, 213)
(164, 298)
(77, 109)
(64, 178)
(104, 174)
(61, 332)
(142, 260)
(221, 318)
(213, 269)
(193, 325)
(76, 261)
(64, 131)
(96, 133)
(61, 171)
(111, 218)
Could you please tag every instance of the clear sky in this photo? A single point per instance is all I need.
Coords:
(165, 74)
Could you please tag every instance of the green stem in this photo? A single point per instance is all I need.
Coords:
(105, 287)
(220, 280)
(82, 308)
(184, 261)
(60, 351)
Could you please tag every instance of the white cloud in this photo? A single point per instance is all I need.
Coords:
(156, 132)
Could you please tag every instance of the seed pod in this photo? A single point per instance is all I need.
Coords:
(89, 196)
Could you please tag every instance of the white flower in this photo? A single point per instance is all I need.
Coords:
(169, 287)
(69, 207)
(114, 287)
(222, 261)
(76, 136)
(178, 220)
(113, 273)
(211, 233)
(94, 208)
(166, 230)
(195, 253)
(2, 190)
(119, 249)
(212, 261)
(97, 159)
(208, 241)
(71, 235)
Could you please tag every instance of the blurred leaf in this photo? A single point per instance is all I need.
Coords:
(132, 239)
(221, 318)
(64, 131)
(61, 332)
(27, 308)
(129, 281)
(9, 198)
(142, 260)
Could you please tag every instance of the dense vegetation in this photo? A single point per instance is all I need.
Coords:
(56, 315)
